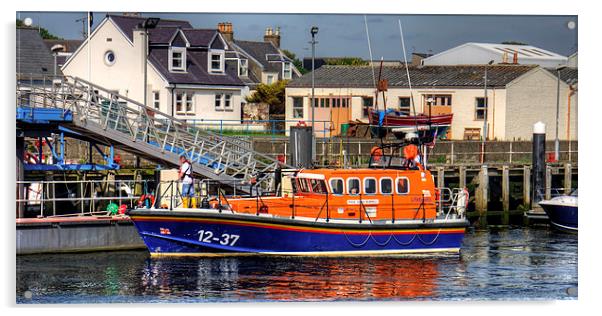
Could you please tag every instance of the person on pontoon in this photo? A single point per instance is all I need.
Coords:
(185, 175)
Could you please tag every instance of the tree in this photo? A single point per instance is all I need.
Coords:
(347, 61)
(298, 63)
(271, 94)
(43, 32)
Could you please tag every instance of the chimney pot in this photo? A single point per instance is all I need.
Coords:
(515, 58)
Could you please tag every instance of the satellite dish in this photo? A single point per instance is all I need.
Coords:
(27, 21)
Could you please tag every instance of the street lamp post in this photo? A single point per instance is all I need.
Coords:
(313, 31)
(149, 23)
(556, 141)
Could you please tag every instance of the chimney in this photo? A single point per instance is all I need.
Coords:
(272, 36)
(505, 58)
(515, 58)
(225, 28)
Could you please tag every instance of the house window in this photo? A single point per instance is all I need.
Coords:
(177, 59)
(216, 62)
(405, 105)
(218, 101)
(228, 102)
(480, 109)
(109, 58)
(287, 72)
(156, 102)
(270, 79)
(367, 104)
(438, 100)
(184, 103)
(472, 133)
(297, 107)
(243, 67)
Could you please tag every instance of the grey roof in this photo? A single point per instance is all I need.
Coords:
(196, 69)
(569, 75)
(69, 45)
(265, 53)
(128, 24)
(421, 76)
(33, 57)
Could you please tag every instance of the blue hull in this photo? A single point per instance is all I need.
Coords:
(562, 217)
(204, 233)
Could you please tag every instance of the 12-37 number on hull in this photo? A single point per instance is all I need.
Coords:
(225, 239)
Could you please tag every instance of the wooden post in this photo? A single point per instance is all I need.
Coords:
(462, 174)
(505, 195)
(482, 196)
(440, 177)
(527, 185)
(568, 177)
(548, 183)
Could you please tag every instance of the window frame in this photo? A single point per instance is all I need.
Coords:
(269, 79)
(332, 187)
(227, 98)
(182, 51)
(297, 108)
(397, 187)
(484, 108)
(185, 99)
(156, 99)
(366, 109)
(375, 185)
(219, 107)
(221, 55)
(241, 67)
(409, 106)
(380, 186)
(359, 189)
(284, 71)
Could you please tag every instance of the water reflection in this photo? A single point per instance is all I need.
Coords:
(505, 264)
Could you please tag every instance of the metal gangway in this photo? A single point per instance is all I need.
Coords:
(114, 119)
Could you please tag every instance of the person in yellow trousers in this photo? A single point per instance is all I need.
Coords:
(185, 175)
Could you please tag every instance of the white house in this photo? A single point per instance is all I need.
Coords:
(187, 73)
(518, 96)
(483, 53)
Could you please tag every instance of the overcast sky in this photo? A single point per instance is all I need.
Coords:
(345, 35)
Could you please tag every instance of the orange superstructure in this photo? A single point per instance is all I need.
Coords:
(371, 194)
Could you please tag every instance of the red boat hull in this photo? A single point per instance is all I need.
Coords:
(392, 120)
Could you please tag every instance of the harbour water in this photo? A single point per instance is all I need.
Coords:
(495, 264)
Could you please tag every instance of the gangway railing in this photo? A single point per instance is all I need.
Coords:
(143, 130)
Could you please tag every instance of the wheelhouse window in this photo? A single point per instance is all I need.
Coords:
(156, 99)
(405, 105)
(287, 72)
(184, 103)
(367, 104)
(218, 101)
(403, 186)
(353, 186)
(216, 62)
(177, 59)
(336, 186)
(386, 186)
(318, 186)
(480, 108)
(370, 186)
(297, 107)
(243, 67)
(438, 100)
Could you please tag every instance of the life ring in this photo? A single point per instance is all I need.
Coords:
(146, 198)
(376, 153)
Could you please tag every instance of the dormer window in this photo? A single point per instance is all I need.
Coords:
(216, 61)
(287, 72)
(177, 59)
(243, 67)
